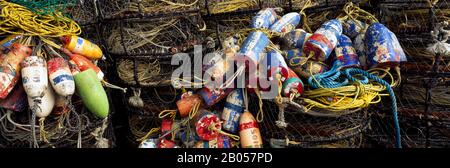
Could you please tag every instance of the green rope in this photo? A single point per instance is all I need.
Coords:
(45, 7)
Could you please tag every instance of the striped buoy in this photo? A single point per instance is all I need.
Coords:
(249, 133)
(232, 111)
(323, 41)
(264, 18)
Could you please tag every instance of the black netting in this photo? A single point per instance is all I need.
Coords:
(158, 36)
(309, 130)
(114, 9)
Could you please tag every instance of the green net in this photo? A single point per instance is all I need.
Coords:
(45, 6)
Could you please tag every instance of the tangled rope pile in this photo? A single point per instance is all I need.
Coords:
(19, 20)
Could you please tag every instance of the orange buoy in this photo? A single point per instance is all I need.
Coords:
(185, 104)
(82, 46)
(249, 131)
(83, 63)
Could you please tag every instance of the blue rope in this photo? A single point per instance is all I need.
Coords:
(348, 73)
(329, 79)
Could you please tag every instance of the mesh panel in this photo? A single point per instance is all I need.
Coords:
(309, 130)
(160, 36)
(113, 9)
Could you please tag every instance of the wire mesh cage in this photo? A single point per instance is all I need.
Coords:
(276, 3)
(415, 133)
(309, 131)
(145, 72)
(117, 9)
(142, 119)
(83, 12)
(228, 25)
(154, 100)
(140, 125)
(415, 100)
(228, 6)
(159, 36)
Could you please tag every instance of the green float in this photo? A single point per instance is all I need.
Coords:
(92, 93)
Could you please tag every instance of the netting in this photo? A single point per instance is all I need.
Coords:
(45, 6)
(84, 12)
(161, 36)
(113, 9)
(306, 130)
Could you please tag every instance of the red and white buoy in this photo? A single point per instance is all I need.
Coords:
(249, 131)
(60, 77)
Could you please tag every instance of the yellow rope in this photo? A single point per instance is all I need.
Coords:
(168, 113)
(231, 5)
(42, 132)
(18, 20)
(212, 127)
(151, 132)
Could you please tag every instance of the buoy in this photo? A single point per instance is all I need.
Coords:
(167, 125)
(82, 46)
(212, 96)
(92, 93)
(149, 143)
(16, 101)
(205, 121)
(185, 104)
(10, 67)
(292, 85)
(360, 48)
(34, 76)
(7, 42)
(353, 28)
(295, 59)
(187, 137)
(84, 64)
(383, 47)
(287, 23)
(61, 77)
(250, 136)
(323, 41)
(345, 53)
(253, 45)
(46, 104)
(294, 39)
(232, 111)
(164, 143)
(220, 142)
(264, 18)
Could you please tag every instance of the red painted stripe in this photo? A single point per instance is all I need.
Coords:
(248, 125)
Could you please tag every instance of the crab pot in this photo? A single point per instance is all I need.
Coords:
(309, 129)
(383, 47)
(83, 12)
(323, 41)
(156, 37)
(119, 9)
